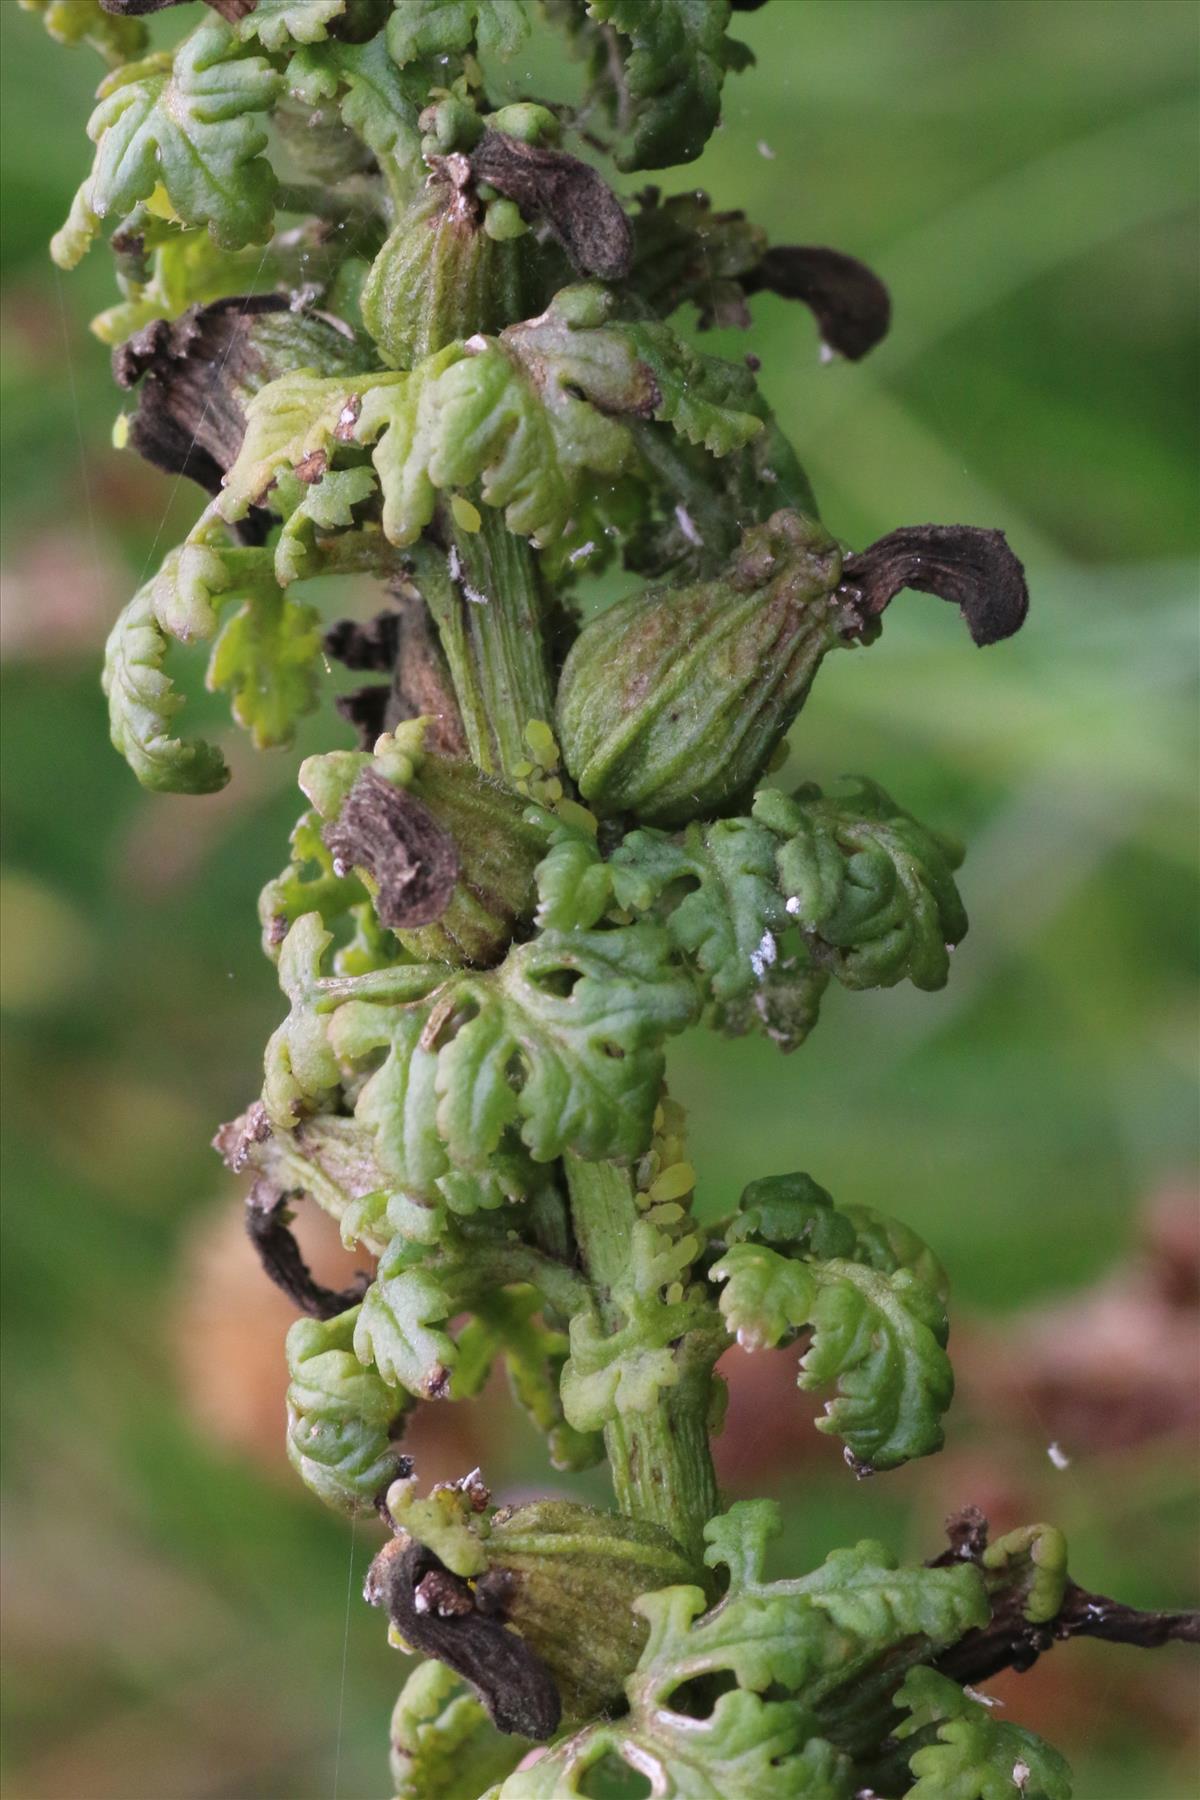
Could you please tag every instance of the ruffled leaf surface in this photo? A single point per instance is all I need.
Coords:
(443, 1745)
(192, 125)
(879, 1337)
(975, 1755)
(807, 1639)
(440, 28)
(676, 55)
(341, 1416)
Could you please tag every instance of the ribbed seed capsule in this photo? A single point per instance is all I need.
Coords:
(673, 701)
(440, 275)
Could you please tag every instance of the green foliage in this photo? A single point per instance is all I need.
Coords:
(439, 28)
(976, 1756)
(506, 1326)
(192, 125)
(444, 1745)
(265, 656)
(342, 1418)
(377, 100)
(278, 23)
(530, 415)
(870, 891)
(808, 1639)
(85, 22)
(880, 1337)
(669, 88)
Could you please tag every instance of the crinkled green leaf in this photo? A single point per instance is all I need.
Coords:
(400, 1321)
(507, 1324)
(342, 1418)
(583, 1016)
(574, 885)
(267, 658)
(266, 655)
(879, 1337)
(977, 1756)
(563, 1040)
(673, 73)
(425, 28)
(328, 505)
(444, 1746)
(623, 1371)
(142, 703)
(286, 421)
(86, 22)
(729, 919)
(533, 416)
(793, 1214)
(872, 889)
(278, 23)
(377, 100)
(194, 125)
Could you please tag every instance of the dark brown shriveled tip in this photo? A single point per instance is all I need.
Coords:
(965, 564)
(577, 204)
(435, 1611)
(853, 308)
(233, 10)
(389, 832)
(267, 1220)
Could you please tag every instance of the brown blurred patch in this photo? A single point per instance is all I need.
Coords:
(62, 590)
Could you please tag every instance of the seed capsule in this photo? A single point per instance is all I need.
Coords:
(673, 701)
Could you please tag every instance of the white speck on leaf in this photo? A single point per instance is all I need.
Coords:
(1021, 1774)
(762, 958)
(793, 905)
(1058, 1456)
(765, 150)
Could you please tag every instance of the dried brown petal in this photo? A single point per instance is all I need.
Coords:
(233, 10)
(513, 1683)
(389, 832)
(195, 372)
(578, 205)
(267, 1220)
(972, 567)
(852, 306)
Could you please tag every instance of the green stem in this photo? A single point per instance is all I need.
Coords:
(659, 1459)
(485, 596)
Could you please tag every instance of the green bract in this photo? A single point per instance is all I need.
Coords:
(429, 349)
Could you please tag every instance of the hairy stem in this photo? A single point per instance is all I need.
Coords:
(660, 1460)
(485, 595)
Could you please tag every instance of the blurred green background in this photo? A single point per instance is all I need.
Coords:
(182, 1620)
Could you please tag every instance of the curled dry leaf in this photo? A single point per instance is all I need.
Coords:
(577, 204)
(972, 567)
(389, 832)
(267, 1226)
(513, 1683)
(187, 422)
(853, 308)
(233, 10)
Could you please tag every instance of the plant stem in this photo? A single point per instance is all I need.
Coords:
(485, 596)
(659, 1459)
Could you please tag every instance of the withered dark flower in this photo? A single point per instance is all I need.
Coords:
(233, 10)
(389, 832)
(853, 308)
(435, 1611)
(577, 204)
(197, 372)
(972, 567)
(267, 1222)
